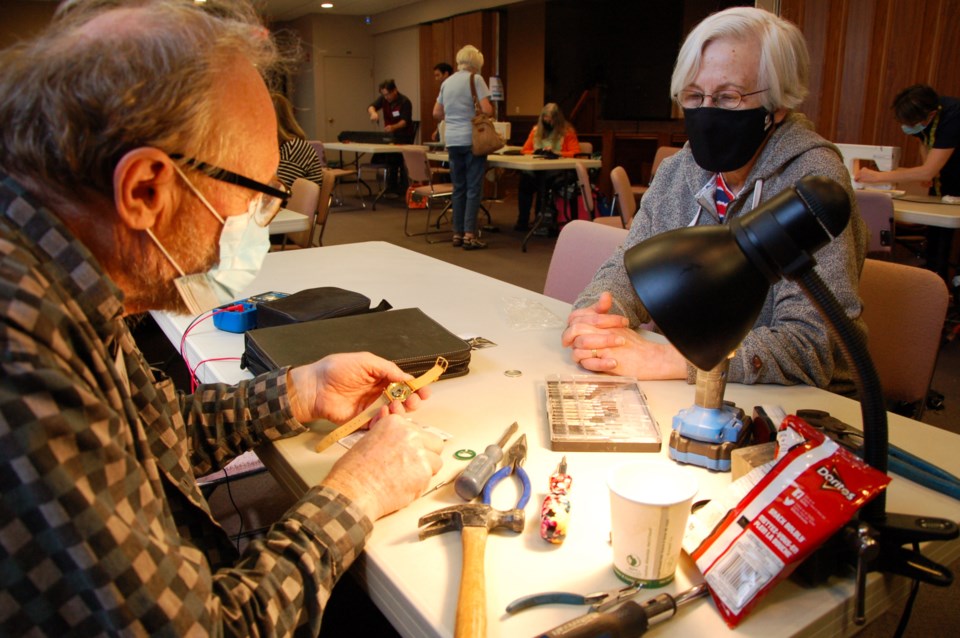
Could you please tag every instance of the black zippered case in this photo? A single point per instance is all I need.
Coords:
(408, 337)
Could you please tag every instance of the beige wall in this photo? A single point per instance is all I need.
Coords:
(322, 36)
(397, 55)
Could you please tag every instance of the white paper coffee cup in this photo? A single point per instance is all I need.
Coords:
(649, 504)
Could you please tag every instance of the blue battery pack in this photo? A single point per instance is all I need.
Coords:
(241, 315)
(237, 317)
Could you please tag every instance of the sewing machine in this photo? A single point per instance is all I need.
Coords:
(884, 158)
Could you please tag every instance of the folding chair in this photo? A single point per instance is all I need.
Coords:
(337, 172)
(304, 199)
(623, 199)
(420, 171)
(312, 237)
(904, 308)
(581, 248)
(663, 152)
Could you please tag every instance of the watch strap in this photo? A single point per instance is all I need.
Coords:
(385, 398)
(429, 376)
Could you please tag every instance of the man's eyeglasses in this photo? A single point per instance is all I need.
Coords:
(728, 99)
(270, 200)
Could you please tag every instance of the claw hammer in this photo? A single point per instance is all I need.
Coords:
(474, 521)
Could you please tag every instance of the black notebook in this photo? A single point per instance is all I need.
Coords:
(408, 337)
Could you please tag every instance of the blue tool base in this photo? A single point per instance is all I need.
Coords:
(717, 465)
(713, 456)
(712, 425)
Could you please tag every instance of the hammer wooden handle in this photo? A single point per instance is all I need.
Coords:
(472, 603)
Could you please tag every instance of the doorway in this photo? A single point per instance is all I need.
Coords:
(348, 91)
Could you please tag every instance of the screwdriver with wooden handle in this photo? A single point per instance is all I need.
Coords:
(471, 481)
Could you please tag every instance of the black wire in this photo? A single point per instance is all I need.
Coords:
(853, 343)
(908, 608)
(236, 509)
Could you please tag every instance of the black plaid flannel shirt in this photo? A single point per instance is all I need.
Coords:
(103, 529)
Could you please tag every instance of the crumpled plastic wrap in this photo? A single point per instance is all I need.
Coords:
(527, 314)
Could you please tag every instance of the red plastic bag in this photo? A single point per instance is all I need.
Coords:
(415, 202)
(777, 516)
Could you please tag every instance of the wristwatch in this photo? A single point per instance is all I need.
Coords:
(396, 391)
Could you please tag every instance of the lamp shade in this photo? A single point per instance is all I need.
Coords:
(699, 288)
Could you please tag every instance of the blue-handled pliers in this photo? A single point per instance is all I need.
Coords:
(899, 461)
(598, 601)
(512, 464)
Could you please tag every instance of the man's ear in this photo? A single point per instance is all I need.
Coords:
(144, 187)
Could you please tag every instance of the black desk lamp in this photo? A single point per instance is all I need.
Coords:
(726, 271)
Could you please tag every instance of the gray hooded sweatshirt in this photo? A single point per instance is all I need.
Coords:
(789, 342)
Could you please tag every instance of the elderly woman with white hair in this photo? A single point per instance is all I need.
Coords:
(739, 76)
(456, 107)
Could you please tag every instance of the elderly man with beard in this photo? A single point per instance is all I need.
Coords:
(137, 172)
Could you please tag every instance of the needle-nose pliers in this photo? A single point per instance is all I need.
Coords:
(512, 464)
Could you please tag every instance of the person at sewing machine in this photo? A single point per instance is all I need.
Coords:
(935, 121)
(739, 76)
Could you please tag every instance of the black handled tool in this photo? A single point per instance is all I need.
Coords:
(471, 481)
(628, 620)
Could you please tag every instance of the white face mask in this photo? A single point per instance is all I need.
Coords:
(243, 246)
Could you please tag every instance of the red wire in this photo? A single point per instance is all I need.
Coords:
(193, 373)
(194, 382)
(183, 341)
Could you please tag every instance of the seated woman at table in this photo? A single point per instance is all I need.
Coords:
(298, 158)
(551, 134)
(738, 77)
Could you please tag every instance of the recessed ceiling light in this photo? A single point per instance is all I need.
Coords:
(326, 5)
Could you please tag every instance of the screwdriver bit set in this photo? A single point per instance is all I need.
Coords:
(593, 413)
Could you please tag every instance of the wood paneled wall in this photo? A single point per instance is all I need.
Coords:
(440, 41)
(864, 51)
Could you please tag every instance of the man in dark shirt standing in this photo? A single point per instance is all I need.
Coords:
(397, 112)
(441, 71)
(398, 120)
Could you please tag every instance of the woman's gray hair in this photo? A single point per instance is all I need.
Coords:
(469, 58)
(784, 60)
(557, 121)
(73, 102)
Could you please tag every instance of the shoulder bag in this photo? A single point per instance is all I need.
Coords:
(486, 140)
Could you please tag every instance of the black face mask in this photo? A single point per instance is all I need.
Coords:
(724, 140)
(547, 127)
